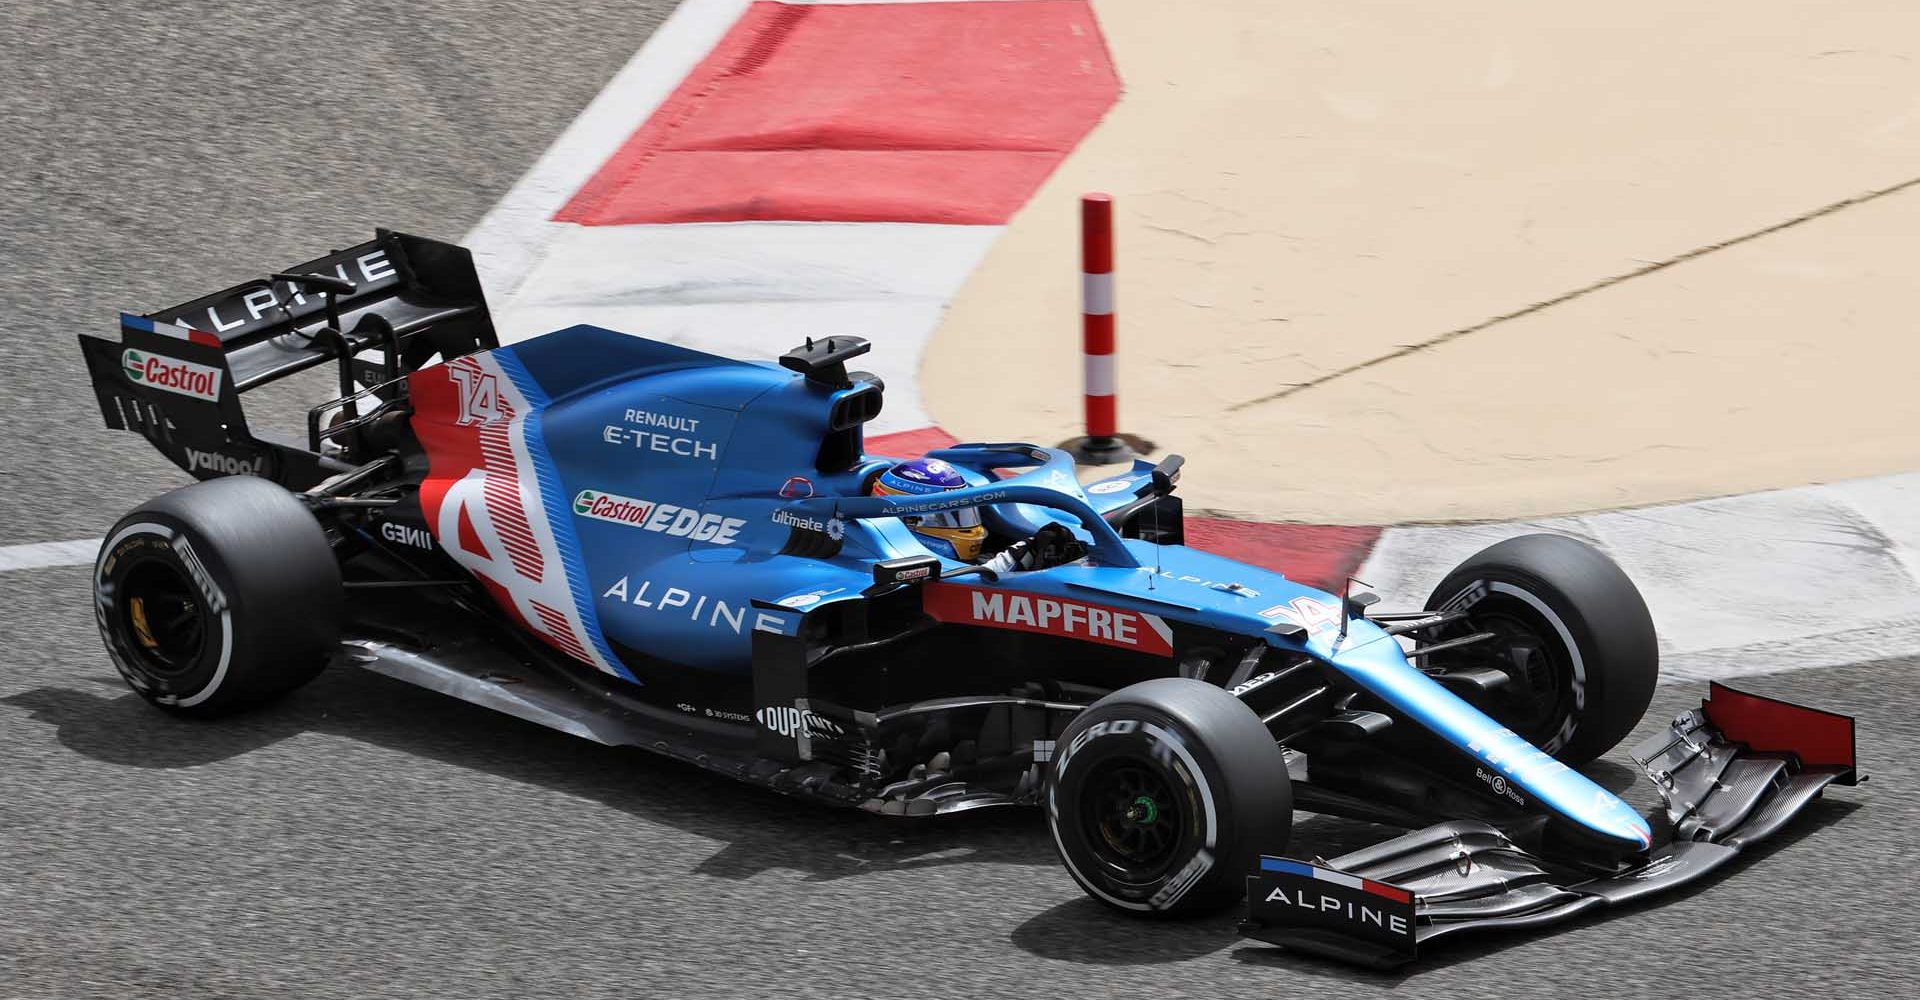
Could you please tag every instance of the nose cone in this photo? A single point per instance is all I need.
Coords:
(1378, 664)
(1227, 594)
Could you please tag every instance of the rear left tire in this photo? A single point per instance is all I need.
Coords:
(218, 596)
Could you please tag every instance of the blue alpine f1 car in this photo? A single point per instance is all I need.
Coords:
(645, 545)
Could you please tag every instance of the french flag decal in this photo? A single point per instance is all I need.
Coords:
(1286, 867)
(187, 333)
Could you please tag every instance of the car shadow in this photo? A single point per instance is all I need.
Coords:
(1086, 931)
(760, 829)
(1613, 776)
(1082, 930)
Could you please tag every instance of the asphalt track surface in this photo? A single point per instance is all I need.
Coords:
(366, 839)
(154, 152)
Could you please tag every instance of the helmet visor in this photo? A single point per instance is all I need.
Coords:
(965, 517)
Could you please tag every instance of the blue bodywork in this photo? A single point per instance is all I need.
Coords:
(739, 445)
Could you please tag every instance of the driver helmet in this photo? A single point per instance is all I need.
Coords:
(954, 533)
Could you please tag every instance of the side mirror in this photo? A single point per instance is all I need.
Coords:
(1163, 478)
(891, 573)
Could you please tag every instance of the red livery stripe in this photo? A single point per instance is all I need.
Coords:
(559, 632)
(1392, 892)
(503, 497)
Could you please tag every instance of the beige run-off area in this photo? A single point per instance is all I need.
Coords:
(1306, 187)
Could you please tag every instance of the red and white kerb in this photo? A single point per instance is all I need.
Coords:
(1096, 309)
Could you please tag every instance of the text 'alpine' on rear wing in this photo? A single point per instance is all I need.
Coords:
(175, 375)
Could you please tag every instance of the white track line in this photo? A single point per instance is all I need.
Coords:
(39, 555)
(511, 239)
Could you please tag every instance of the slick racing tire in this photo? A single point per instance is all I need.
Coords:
(1162, 795)
(218, 596)
(1570, 631)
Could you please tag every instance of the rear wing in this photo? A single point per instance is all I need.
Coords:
(176, 375)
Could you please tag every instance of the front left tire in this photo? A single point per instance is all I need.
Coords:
(1162, 795)
(218, 596)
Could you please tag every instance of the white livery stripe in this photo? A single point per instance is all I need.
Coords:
(1100, 374)
(1096, 294)
(1337, 878)
(517, 552)
(502, 490)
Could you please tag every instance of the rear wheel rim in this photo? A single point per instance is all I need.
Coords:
(162, 617)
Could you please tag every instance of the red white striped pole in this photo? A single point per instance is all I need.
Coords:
(1096, 320)
(1103, 443)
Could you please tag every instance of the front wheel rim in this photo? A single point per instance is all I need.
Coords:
(1537, 696)
(1132, 820)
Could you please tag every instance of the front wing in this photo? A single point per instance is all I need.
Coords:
(1731, 772)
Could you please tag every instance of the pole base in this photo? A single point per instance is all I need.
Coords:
(1107, 450)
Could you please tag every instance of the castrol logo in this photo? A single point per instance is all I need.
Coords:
(172, 374)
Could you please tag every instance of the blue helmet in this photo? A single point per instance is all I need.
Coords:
(957, 533)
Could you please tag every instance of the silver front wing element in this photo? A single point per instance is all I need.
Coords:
(1721, 796)
(1719, 792)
